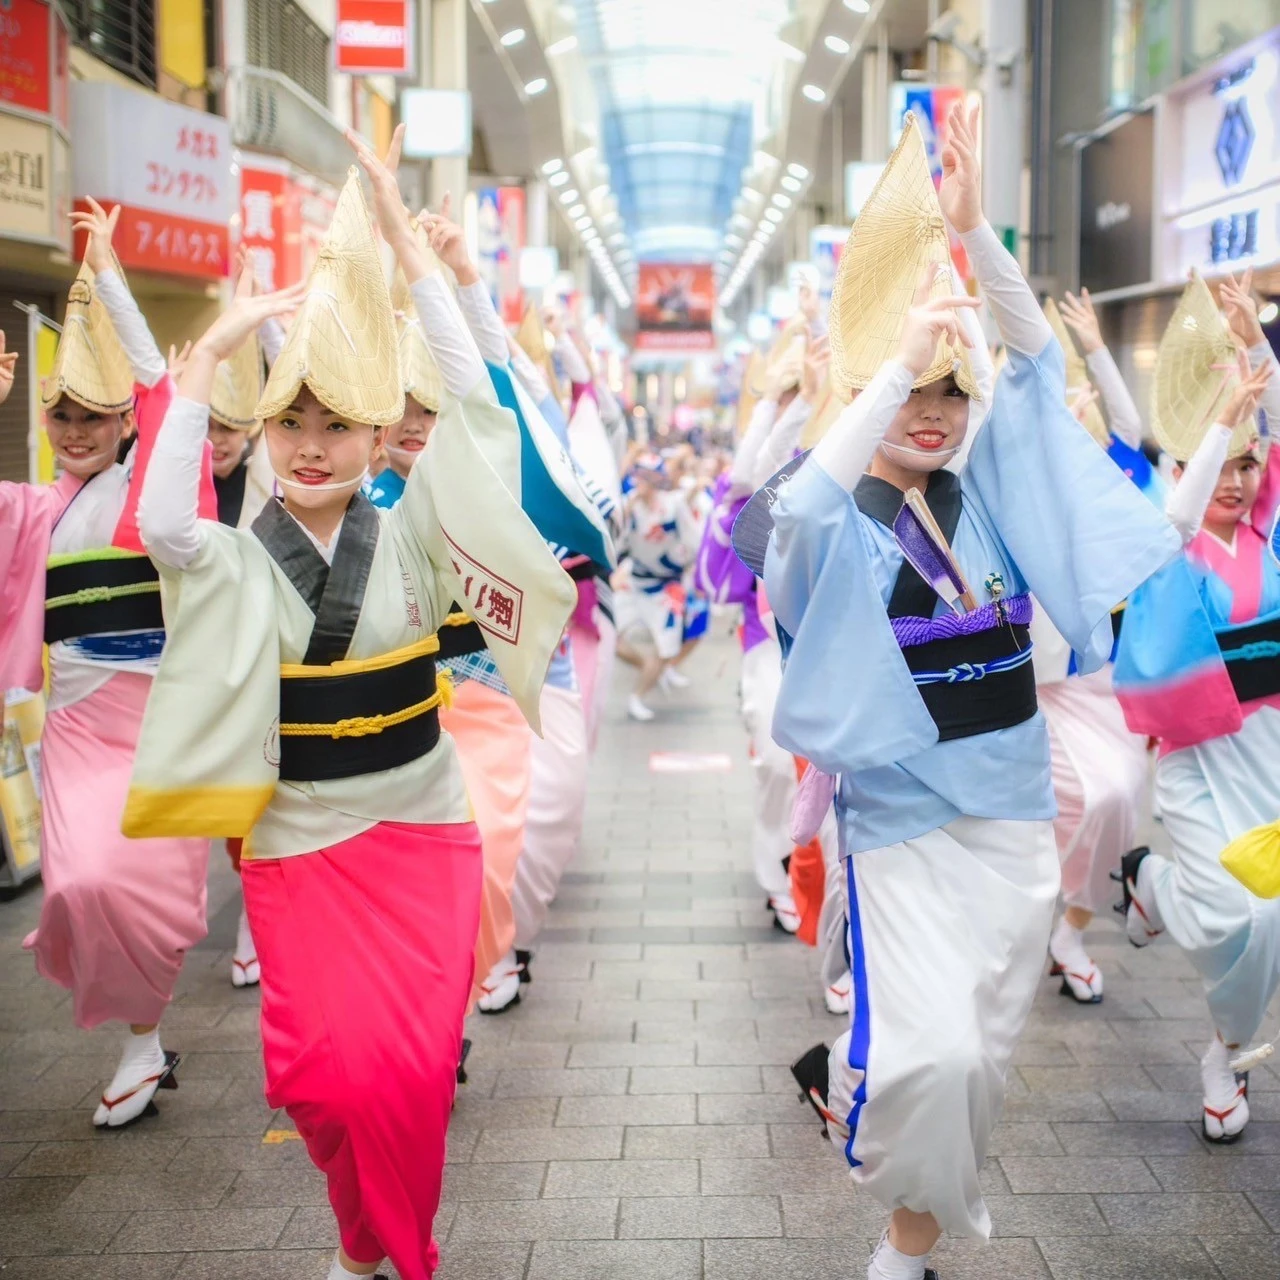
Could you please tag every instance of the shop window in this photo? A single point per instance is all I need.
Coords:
(279, 36)
(122, 33)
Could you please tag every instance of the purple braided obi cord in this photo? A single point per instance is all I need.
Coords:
(913, 631)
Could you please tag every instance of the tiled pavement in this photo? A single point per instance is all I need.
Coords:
(634, 1116)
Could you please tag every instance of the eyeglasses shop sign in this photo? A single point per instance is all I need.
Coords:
(35, 182)
(1116, 175)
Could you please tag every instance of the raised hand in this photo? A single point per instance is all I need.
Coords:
(816, 361)
(448, 242)
(1242, 308)
(8, 368)
(961, 192)
(929, 320)
(388, 206)
(1244, 399)
(178, 359)
(242, 318)
(1080, 317)
(1086, 397)
(100, 226)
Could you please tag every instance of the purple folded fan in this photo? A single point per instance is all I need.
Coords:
(926, 548)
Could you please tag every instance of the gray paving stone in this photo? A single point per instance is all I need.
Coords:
(1205, 1173)
(824, 1172)
(477, 1260)
(1029, 1214)
(258, 1265)
(995, 1260)
(631, 1055)
(616, 1259)
(201, 1230)
(504, 1146)
(570, 1178)
(148, 1189)
(138, 1266)
(528, 1083)
(40, 1195)
(1149, 1257)
(1244, 1257)
(705, 1217)
(521, 1181)
(680, 1108)
(1025, 1138)
(1183, 1212)
(30, 1234)
(695, 1080)
(771, 1259)
(591, 1219)
(1128, 1138)
(1077, 1173)
(696, 1141)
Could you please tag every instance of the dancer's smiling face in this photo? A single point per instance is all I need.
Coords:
(929, 428)
(83, 440)
(316, 449)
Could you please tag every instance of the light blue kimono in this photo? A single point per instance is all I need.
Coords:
(1043, 507)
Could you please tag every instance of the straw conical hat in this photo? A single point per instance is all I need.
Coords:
(1077, 375)
(342, 342)
(752, 390)
(90, 365)
(826, 411)
(237, 385)
(531, 339)
(1189, 392)
(898, 233)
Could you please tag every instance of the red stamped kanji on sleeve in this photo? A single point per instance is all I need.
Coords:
(496, 604)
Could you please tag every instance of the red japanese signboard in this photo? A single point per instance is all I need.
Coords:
(283, 218)
(24, 55)
(374, 37)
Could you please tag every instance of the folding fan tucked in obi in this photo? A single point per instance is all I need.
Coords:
(929, 553)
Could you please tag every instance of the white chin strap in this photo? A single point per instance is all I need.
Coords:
(73, 464)
(921, 455)
(332, 486)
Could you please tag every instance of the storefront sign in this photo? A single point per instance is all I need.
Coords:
(673, 307)
(34, 182)
(26, 43)
(1116, 178)
(1220, 153)
(374, 37)
(283, 217)
(169, 166)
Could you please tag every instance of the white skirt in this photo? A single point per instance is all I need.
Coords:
(947, 935)
(773, 768)
(1101, 777)
(1208, 795)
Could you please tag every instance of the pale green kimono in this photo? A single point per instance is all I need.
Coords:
(208, 757)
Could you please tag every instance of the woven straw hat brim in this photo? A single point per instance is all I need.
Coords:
(898, 233)
(342, 343)
(1188, 393)
(90, 364)
(237, 387)
(1077, 374)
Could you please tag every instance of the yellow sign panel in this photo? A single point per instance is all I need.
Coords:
(181, 32)
(46, 348)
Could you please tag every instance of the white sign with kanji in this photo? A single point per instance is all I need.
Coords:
(150, 154)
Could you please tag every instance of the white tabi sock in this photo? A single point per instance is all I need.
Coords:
(888, 1264)
(339, 1272)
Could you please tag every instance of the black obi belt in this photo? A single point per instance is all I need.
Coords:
(1252, 655)
(100, 593)
(360, 716)
(979, 680)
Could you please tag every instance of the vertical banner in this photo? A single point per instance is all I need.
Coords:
(42, 344)
(826, 244)
(673, 307)
(500, 238)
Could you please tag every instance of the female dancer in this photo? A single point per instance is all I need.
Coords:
(944, 799)
(118, 915)
(316, 736)
(1193, 670)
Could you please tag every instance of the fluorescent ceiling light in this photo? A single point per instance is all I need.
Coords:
(583, 223)
(790, 183)
(510, 39)
(790, 52)
(733, 240)
(553, 166)
(1268, 312)
(561, 46)
(601, 190)
(577, 211)
(618, 237)
(739, 220)
(813, 93)
(536, 86)
(559, 179)
(837, 45)
(783, 202)
(858, 6)
(774, 215)
(797, 171)
(764, 160)
(570, 196)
